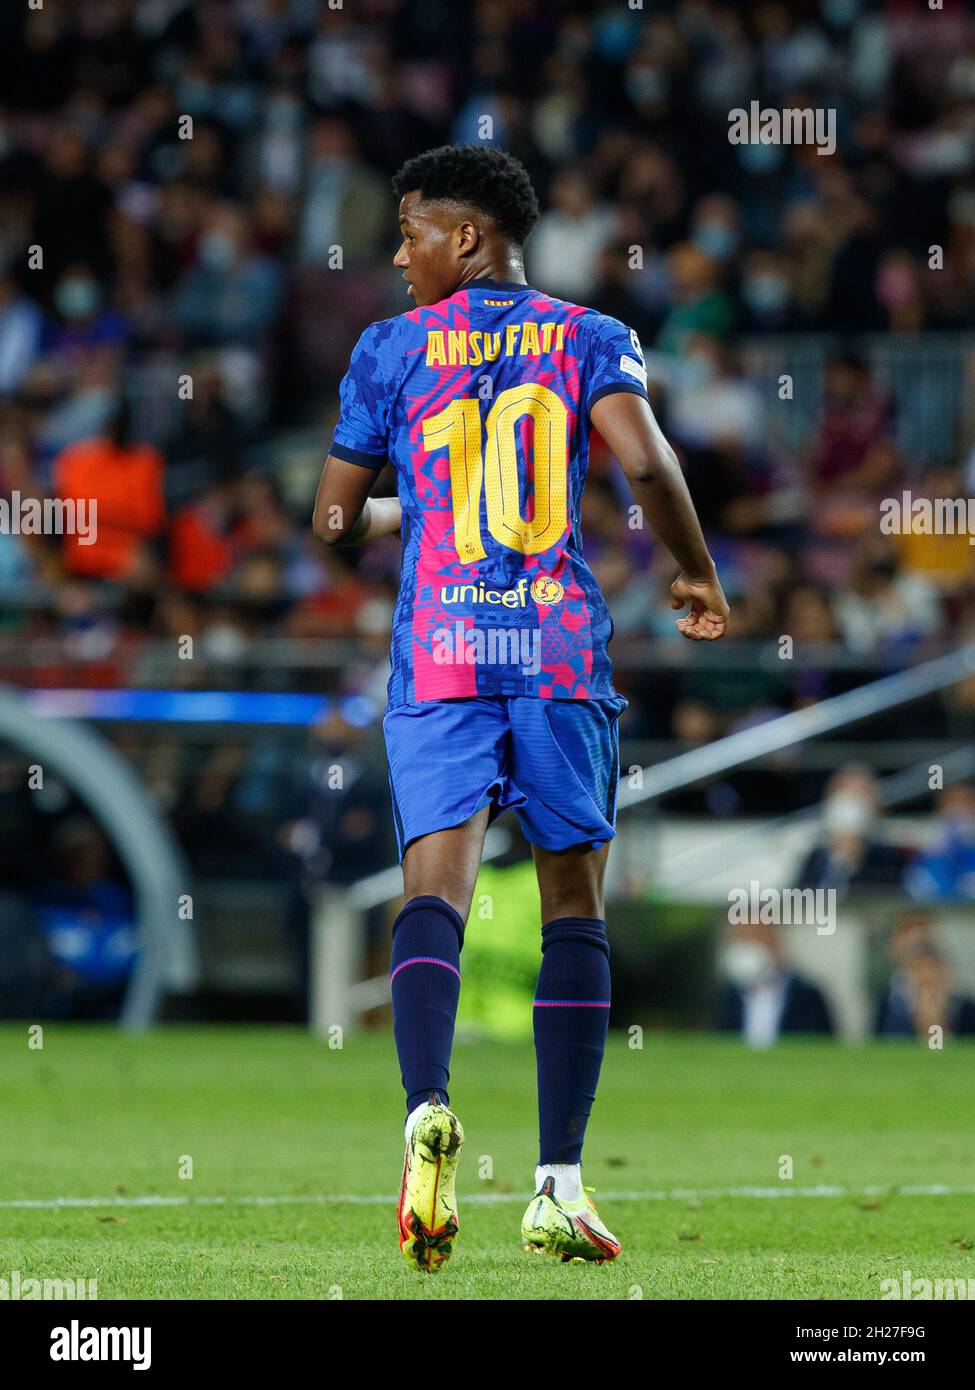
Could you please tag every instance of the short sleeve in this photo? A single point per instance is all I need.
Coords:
(362, 433)
(616, 361)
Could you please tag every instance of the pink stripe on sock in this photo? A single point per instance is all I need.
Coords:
(423, 960)
(571, 1004)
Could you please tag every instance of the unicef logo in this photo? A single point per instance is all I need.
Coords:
(546, 590)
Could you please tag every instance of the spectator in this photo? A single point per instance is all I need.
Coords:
(83, 324)
(70, 207)
(762, 998)
(21, 327)
(766, 293)
(615, 292)
(850, 855)
(201, 546)
(122, 484)
(921, 994)
(231, 294)
(346, 205)
(699, 305)
(343, 836)
(884, 605)
(853, 447)
(712, 404)
(564, 252)
(945, 562)
(946, 871)
(716, 227)
(87, 916)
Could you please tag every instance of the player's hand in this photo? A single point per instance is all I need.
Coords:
(708, 618)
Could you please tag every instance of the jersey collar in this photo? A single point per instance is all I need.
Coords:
(495, 285)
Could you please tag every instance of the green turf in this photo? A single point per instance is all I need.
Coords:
(266, 1113)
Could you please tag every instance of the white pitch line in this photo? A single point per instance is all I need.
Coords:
(371, 1199)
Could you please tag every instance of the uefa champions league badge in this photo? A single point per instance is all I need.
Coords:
(546, 590)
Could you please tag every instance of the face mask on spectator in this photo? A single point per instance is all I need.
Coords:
(77, 297)
(758, 158)
(765, 292)
(748, 963)
(846, 814)
(716, 239)
(217, 251)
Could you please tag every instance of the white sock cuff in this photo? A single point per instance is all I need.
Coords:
(412, 1118)
(568, 1180)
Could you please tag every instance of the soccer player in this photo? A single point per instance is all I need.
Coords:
(482, 397)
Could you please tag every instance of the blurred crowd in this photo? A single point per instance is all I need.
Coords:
(196, 223)
(762, 997)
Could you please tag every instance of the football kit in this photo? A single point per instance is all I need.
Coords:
(501, 688)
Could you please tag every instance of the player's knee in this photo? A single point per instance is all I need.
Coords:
(583, 900)
(447, 887)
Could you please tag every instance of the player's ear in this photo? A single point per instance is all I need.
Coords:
(467, 238)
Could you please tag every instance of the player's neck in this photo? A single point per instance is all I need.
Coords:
(501, 272)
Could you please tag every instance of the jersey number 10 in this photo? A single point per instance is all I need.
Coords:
(495, 469)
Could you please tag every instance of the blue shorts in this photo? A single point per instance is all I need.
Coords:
(556, 762)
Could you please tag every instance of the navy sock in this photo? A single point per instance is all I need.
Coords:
(571, 1017)
(425, 982)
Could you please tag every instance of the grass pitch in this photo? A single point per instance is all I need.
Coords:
(678, 1130)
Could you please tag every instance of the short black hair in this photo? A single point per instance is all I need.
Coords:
(477, 176)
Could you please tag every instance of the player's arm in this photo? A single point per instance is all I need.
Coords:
(345, 514)
(626, 422)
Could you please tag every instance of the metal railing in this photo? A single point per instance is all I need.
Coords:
(776, 734)
(155, 661)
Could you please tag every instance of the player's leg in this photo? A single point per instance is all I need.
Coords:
(571, 1017)
(570, 881)
(439, 873)
(571, 1010)
(566, 763)
(444, 769)
(446, 863)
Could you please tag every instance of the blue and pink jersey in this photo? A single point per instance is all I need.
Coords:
(481, 402)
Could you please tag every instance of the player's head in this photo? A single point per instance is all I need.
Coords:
(464, 210)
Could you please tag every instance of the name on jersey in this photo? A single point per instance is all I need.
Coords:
(464, 347)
